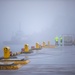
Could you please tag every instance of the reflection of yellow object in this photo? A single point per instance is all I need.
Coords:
(11, 67)
(37, 45)
(26, 48)
(48, 43)
(44, 44)
(6, 52)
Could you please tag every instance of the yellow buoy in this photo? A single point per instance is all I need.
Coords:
(26, 48)
(37, 45)
(6, 52)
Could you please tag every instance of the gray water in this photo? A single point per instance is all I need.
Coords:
(49, 61)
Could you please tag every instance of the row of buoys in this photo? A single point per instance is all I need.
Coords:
(8, 53)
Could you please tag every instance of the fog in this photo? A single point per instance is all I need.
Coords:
(30, 21)
(39, 20)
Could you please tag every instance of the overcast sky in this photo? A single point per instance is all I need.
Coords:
(39, 19)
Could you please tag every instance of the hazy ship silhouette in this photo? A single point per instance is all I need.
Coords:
(18, 38)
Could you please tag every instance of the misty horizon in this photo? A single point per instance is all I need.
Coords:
(40, 20)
